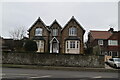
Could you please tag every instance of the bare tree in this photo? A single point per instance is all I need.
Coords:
(18, 33)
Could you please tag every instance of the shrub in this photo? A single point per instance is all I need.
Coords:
(30, 46)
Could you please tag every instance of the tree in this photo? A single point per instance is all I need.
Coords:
(30, 45)
(96, 50)
(18, 33)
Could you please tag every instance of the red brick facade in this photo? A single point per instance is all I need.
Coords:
(110, 41)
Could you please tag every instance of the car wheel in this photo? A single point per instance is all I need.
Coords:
(115, 66)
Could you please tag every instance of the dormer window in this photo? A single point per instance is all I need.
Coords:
(38, 32)
(55, 32)
(72, 31)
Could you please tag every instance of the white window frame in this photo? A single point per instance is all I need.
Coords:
(38, 31)
(112, 42)
(100, 42)
(55, 32)
(40, 44)
(72, 31)
(111, 53)
(72, 44)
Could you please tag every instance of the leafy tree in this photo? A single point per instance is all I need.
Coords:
(96, 50)
(30, 45)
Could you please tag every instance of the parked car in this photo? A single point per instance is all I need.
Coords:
(114, 62)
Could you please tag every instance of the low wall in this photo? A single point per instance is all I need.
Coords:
(53, 59)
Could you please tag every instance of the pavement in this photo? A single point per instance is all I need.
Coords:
(37, 74)
(106, 69)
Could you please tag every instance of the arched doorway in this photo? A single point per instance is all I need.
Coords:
(54, 46)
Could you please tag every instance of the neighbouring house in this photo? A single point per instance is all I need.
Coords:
(9, 44)
(119, 41)
(104, 42)
(58, 39)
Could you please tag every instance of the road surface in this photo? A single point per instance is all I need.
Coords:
(37, 74)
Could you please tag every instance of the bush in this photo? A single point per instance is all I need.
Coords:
(30, 46)
(89, 51)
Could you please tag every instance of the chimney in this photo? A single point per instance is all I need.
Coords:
(111, 30)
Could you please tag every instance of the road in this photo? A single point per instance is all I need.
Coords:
(37, 74)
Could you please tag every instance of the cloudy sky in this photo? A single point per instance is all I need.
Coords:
(91, 15)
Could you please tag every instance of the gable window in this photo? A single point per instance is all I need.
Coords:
(38, 32)
(55, 32)
(72, 31)
(113, 42)
(100, 42)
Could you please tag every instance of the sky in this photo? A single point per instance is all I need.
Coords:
(91, 15)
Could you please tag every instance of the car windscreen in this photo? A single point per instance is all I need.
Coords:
(117, 59)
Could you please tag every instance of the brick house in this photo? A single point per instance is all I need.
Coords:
(107, 41)
(39, 32)
(72, 37)
(7, 44)
(58, 39)
(119, 41)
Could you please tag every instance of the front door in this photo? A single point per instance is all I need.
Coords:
(55, 47)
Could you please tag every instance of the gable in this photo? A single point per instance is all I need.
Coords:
(73, 23)
(55, 24)
(38, 23)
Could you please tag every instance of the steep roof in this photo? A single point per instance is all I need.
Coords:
(38, 20)
(75, 21)
(55, 21)
(100, 34)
